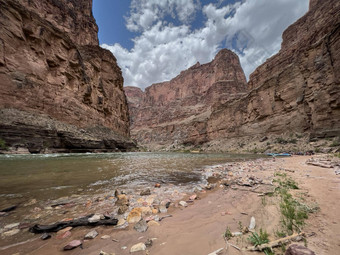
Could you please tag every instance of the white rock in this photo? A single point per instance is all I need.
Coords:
(252, 223)
(94, 218)
(91, 235)
(138, 247)
(183, 203)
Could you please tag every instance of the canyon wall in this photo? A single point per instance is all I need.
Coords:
(297, 91)
(177, 111)
(59, 90)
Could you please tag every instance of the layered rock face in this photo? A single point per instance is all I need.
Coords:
(177, 111)
(59, 90)
(297, 91)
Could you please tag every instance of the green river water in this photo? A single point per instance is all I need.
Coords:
(50, 176)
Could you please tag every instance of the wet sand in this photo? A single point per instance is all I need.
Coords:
(198, 228)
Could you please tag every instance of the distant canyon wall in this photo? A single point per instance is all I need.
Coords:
(295, 91)
(59, 90)
(177, 111)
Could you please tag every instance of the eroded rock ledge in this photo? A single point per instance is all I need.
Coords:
(59, 89)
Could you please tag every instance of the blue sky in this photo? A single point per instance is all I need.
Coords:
(154, 40)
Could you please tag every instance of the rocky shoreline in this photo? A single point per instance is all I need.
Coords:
(144, 210)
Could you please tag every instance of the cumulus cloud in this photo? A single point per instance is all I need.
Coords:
(164, 48)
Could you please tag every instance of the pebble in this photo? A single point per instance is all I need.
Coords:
(153, 223)
(141, 226)
(252, 223)
(162, 209)
(64, 235)
(105, 253)
(138, 247)
(73, 244)
(135, 215)
(157, 185)
(183, 203)
(145, 192)
(91, 235)
(193, 197)
(94, 218)
(121, 222)
(62, 231)
(105, 237)
(148, 243)
(123, 247)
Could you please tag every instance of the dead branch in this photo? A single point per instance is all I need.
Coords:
(275, 243)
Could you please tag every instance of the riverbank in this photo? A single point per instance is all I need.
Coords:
(198, 228)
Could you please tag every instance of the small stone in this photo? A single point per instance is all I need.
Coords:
(91, 235)
(296, 249)
(236, 234)
(252, 223)
(45, 236)
(154, 211)
(157, 185)
(141, 226)
(10, 232)
(146, 210)
(105, 253)
(122, 200)
(193, 197)
(135, 215)
(117, 193)
(138, 247)
(167, 205)
(105, 237)
(183, 203)
(153, 223)
(62, 231)
(162, 209)
(148, 243)
(121, 222)
(122, 209)
(123, 247)
(73, 244)
(145, 192)
(64, 235)
(94, 218)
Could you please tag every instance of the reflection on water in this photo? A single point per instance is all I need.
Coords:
(51, 176)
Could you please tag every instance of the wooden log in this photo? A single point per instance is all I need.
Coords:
(72, 223)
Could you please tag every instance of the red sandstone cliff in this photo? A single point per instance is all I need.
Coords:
(295, 91)
(177, 111)
(59, 89)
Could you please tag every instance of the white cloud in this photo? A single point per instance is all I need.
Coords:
(252, 29)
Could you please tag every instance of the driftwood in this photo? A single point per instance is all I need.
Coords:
(72, 223)
(273, 244)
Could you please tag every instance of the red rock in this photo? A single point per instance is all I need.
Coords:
(296, 249)
(60, 90)
(193, 197)
(64, 235)
(73, 244)
(157, 185)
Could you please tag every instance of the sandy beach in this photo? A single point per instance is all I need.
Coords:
(199, 227)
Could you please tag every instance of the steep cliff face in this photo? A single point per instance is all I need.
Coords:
(297, 90)
(177, 111)
(52, 67)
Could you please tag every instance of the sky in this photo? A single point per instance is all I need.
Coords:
(154, 40)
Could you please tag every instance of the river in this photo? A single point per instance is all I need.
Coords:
(50, 176)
